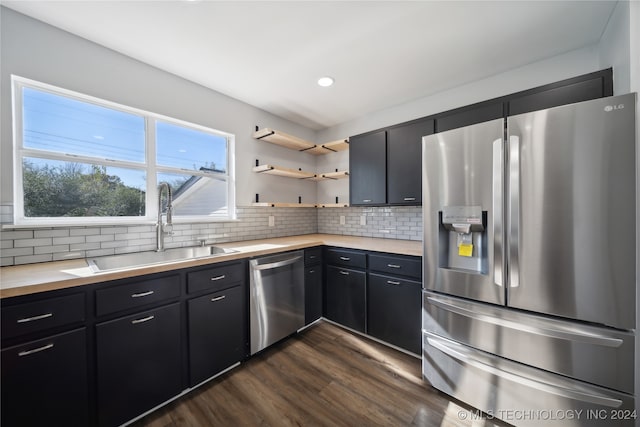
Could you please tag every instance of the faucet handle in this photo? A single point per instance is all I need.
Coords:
(168, 229)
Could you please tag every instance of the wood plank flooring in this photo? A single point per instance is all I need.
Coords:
(324, 376)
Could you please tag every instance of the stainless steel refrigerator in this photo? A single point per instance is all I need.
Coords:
(529, 308)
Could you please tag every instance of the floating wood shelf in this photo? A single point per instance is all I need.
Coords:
(299, 205)
(333, 205)
(294, 143)
(286, 172)
(284, 205)
(330, 175)
(330, 147)
(283, 139)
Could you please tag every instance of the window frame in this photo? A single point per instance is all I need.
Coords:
(149, 166)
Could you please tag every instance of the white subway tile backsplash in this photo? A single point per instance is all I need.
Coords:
(56, 243)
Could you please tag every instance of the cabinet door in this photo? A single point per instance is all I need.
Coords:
(404, 162)
(138, 363)
(368, 169)
(394, 310)
(583, 88)
(216, 333)
(312, 293)
(44, 382)
(345, 297)
(470, 115)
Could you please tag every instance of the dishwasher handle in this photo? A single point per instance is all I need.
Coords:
(276, 264)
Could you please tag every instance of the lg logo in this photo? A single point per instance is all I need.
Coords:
(610, 108)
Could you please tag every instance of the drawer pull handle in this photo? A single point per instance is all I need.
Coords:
(311, 271)
(345, 258)
(31, 319)
(35, 350)
(218, 298)
(144, 319)
(409, 199)
(213, 279)
(393, 266)
(142, 294)
(393, 282)
(366, 200)
(346, 273)
(312, 256)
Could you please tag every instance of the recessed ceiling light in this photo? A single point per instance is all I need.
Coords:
(325, 81)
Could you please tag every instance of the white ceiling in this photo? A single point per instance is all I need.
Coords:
(381, 53)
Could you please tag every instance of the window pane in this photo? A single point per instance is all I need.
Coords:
(68, 189)
(64, 125)
(190, 149)
(197, 195)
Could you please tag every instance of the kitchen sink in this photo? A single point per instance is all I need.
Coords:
(117, 262)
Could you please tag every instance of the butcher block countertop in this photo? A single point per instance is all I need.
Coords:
(32, 278)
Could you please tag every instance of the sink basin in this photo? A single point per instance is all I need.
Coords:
(116, 262)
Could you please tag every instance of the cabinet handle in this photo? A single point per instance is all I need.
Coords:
(142, 294)
(393, 282)
(394, 266)
(366, 200)
(144, 319)
(218, 298)
(31, 319)
(311, 271)
(312, 256)
(213, 279)
(409, 199)
(346, 273)
(35, 350)
(345, 258)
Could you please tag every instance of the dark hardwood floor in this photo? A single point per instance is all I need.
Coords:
(324, 376)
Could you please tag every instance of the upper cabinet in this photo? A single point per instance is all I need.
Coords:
(368, 169)
(470, 115)
(404, 162)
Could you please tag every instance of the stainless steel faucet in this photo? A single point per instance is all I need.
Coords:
(163, 228)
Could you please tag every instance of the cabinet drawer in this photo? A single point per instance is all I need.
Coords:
(312, 256)
(136, 294)
(216, 278)
(404, 266)
(346, 258)
(37, 316)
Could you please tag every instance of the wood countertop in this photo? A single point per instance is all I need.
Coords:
(32, 278)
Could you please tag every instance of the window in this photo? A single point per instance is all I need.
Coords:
(83, 160)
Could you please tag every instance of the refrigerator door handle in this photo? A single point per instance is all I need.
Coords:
(514, 211)
(498, 188)
(466, 356)
(552, 331)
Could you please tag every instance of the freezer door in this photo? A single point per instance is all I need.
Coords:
(571, 211)
(564, 347)
(519, 394)
(463, 179)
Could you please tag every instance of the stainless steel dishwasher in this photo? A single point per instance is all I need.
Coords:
(276, 302)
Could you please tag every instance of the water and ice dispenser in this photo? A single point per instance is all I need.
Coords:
(463, 239)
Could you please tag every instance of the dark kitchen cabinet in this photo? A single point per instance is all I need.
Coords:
(44, 381)
(139, 363)
(469, 115)
(368, 169)
(582, 88)
(346, 297)
(394, 311)
(312, 285)
(216, 333)
(404, 162)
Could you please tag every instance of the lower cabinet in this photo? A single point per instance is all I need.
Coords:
(312, 293)
(216, 333)
(139, 363)
(44, 382)
(394, 309)
(346, 296)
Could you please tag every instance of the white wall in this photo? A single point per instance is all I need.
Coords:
(614, 48)
(32, 49)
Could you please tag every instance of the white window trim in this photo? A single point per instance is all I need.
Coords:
(150, 167)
